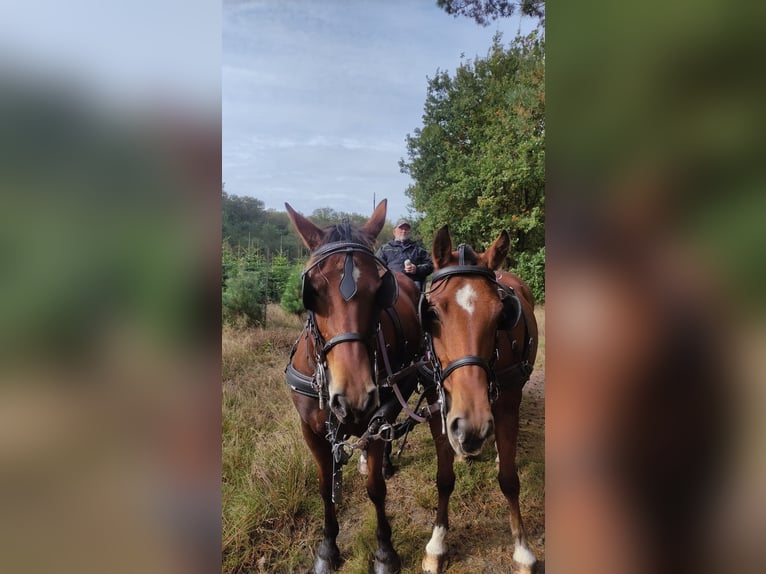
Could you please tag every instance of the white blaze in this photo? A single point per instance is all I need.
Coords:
(466, 298)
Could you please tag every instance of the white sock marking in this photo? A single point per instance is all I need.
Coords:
(466, 297)
(523, 555)
(435, 546)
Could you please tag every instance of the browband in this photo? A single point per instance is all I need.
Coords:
(440, 274)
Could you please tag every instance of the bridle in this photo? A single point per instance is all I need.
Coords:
(317, 385)
(385, 297)
(440, 374)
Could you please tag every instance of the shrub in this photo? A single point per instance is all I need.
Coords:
(530, 266)
(243, 297)
(291, 300)
(279, 271)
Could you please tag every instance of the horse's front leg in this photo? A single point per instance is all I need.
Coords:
(506, 414)
(436, 549)
(387, 561)
(327, 553)
(388, 467)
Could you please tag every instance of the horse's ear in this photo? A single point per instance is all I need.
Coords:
(311, 235)
(495, 256)
(377, 220)
(442, 248)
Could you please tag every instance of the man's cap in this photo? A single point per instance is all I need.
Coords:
(402, 222)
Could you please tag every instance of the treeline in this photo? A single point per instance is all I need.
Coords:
(262, 257)
(477, 164)
(247, 225)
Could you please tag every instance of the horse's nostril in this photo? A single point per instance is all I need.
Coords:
(339, 405)
(489, 429)
(458, 429)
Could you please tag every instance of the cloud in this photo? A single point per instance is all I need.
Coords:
(318, 98)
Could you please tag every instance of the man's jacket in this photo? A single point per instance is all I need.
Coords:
(395, 253)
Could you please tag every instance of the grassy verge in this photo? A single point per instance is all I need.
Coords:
(272, 514)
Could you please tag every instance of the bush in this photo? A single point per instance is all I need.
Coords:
(530, 266)
(291, 300)
(243, 297)
(228, 263)
(279, 271)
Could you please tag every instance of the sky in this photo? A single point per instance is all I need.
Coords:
(318, 97)
(123, 53)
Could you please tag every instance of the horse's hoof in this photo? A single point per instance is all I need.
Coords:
(328, 558)
(387, 563)
(431, 564)
(383, 568)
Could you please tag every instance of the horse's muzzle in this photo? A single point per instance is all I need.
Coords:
(469, 438)
(350, 413)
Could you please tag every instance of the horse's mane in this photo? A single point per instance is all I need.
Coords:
(470, 255)
(344, 231)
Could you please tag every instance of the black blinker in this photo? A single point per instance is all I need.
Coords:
(348, 281)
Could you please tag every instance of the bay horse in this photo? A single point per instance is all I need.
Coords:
(482, 341)
(362, 320)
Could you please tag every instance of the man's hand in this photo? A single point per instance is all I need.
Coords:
(409, 267)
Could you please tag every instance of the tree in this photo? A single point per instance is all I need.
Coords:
(325, 216)
(486, 11)
(244, 295)
(228, 263)
(279, 271)
(241, 218)
(291, 295)
(478, 162)
(246, 223)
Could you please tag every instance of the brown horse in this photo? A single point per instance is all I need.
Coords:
(482, 337)
(362, 319)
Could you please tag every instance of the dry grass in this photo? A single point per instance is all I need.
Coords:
(272, 515)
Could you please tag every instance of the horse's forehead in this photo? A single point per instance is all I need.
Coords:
(466, 297)
(466, 292)
(333, 267)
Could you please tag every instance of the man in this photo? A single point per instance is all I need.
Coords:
(403, 254)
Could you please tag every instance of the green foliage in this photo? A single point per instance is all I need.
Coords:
(279, 271)
(478, 162)
(325, 216)
(241, 217)
(244, 291)
(247, 224)
(291, 300)
(244, 296)
(530, 266)
(485, 11)
(228, 263)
